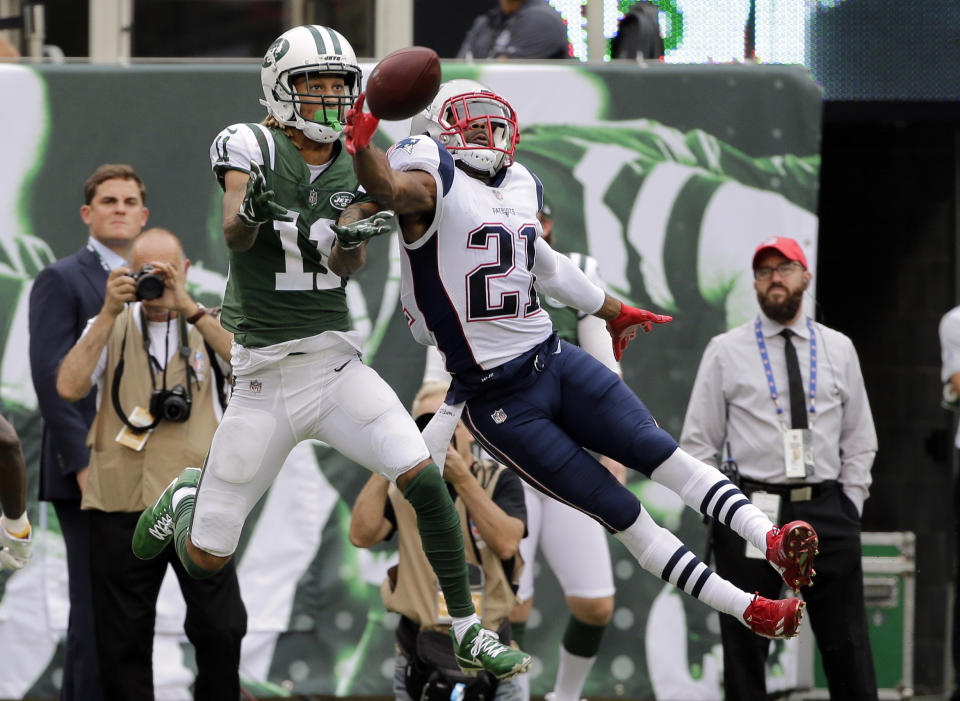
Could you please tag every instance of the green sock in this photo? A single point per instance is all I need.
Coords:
(518, 632)
(182, 519)
(582, 639)
(439, 526)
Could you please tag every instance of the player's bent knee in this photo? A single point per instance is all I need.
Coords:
(239, 446)
(596, 612)
(217, 521)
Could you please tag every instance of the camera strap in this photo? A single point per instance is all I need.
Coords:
(184, 352)
(115, 390)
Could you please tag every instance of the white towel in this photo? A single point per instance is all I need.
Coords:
(439, 431)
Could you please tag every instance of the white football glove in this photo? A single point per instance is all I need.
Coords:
(14, 552)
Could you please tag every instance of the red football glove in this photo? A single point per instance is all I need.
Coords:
(623, 328)
(360, 126)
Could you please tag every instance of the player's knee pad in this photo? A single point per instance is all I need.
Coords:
(218, 518)
(240, 445)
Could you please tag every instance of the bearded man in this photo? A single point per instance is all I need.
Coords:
(780, 403)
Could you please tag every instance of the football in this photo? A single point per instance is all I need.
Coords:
(403, 83)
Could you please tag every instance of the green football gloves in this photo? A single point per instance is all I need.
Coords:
(351, 235)
(258, 205)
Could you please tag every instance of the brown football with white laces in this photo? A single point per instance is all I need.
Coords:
(403, 83)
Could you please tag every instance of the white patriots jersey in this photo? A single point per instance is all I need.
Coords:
(467, 284)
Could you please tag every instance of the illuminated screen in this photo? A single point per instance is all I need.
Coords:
(856, 49)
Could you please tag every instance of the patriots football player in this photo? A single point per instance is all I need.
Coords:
(473, 266)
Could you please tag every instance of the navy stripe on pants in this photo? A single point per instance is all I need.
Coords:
(575, 402)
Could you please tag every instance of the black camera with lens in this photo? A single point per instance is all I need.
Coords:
(149, 283)
(171, 404)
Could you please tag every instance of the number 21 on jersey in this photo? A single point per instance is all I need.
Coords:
(494, 289)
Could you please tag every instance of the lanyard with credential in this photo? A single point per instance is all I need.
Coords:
(94, 251)
(762, 346)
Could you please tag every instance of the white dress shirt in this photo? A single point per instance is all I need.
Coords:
(731, 414)
(950, 351)
(108, 258)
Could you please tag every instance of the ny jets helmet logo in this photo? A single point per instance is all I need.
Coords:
(277, 50)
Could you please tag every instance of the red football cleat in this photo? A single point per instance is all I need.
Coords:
(774, 618)
(790, 549)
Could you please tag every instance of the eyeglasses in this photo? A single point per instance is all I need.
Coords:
(784, 269)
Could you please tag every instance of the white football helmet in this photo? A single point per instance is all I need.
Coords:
(310, 49)
(466, 105)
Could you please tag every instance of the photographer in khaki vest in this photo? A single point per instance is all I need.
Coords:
(158, 360)
(489, 499)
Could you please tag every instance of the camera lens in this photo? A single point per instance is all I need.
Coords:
(174, 409)
(176, 406)
(149, 286)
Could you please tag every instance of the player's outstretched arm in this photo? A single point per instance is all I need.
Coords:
(405, 192)
(623, 323)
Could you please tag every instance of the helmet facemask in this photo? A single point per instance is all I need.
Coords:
(489, 123)
(319, 116)
(309, 52)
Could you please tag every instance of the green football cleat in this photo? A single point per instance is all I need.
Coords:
(155, 526)
(481, 649)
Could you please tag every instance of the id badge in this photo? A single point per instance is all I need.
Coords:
(798, 453)
(769, 504)
(476, 594)
(135, 441)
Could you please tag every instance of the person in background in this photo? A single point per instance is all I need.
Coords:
(64, 296)
(950, 376)
(151, 352)
(489, 501)
(782, 399)
(517, 29)
(15, 535)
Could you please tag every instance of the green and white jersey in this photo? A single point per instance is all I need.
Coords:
(280, 289)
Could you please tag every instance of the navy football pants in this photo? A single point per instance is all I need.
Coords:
(541, 431)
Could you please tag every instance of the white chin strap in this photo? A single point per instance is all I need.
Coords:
(316, 132)
(484, 160)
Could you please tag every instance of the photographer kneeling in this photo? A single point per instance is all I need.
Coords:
(159, 360)
(493, 516)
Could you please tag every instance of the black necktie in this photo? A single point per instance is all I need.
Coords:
(798, 404)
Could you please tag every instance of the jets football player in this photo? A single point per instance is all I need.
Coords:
(473, 264)
(296, 362)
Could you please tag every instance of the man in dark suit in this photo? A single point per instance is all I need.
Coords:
(64, 296)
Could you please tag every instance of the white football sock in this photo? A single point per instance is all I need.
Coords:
(461, 625)
(660, 552)
(706, 489)
(572, 671)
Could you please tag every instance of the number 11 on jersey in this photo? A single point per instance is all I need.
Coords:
(294, 277)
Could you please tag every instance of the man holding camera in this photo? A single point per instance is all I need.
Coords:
(153, 353)
(490, 504)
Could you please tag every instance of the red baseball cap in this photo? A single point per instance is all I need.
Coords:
(786, 247)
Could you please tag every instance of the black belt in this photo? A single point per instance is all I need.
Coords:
(793, 492)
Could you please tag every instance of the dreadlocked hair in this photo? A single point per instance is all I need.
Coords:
(271, 123)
